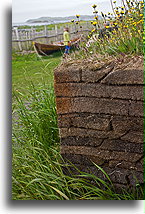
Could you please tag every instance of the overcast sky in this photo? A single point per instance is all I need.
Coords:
(22, 10)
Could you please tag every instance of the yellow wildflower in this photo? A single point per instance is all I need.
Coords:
(94, 6)
(96, 17)
(140, 21)
(141, 15)
(94, 23)
(93, 30)
(95, 11)
(77, 16)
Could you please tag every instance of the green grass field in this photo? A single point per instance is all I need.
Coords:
(31, 68)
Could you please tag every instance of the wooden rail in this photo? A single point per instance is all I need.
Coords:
(39, 37)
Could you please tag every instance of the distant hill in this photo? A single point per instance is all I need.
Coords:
(60, 19)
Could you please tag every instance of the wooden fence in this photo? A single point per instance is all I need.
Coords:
(22, 38)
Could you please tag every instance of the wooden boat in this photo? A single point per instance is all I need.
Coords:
(46, 49)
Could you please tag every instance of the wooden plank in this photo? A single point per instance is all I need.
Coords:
(18, 38)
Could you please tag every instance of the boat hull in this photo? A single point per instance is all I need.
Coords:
(46, 49)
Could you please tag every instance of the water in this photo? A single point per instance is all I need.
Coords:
(35, 24)
(30, 24)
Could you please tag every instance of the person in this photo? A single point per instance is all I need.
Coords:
(67, 43)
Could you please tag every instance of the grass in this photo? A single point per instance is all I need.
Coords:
(31, 68)
(34, 115)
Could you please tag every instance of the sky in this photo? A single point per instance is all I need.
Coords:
(22, 10)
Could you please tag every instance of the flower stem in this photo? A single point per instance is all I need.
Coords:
(112, 6)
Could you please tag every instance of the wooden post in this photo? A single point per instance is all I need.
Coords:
(27, 44)
(29, 34)
(34, 32)
(18, 38)
(45, 30)
(56, 33)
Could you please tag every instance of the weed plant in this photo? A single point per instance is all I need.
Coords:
(124, 32)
